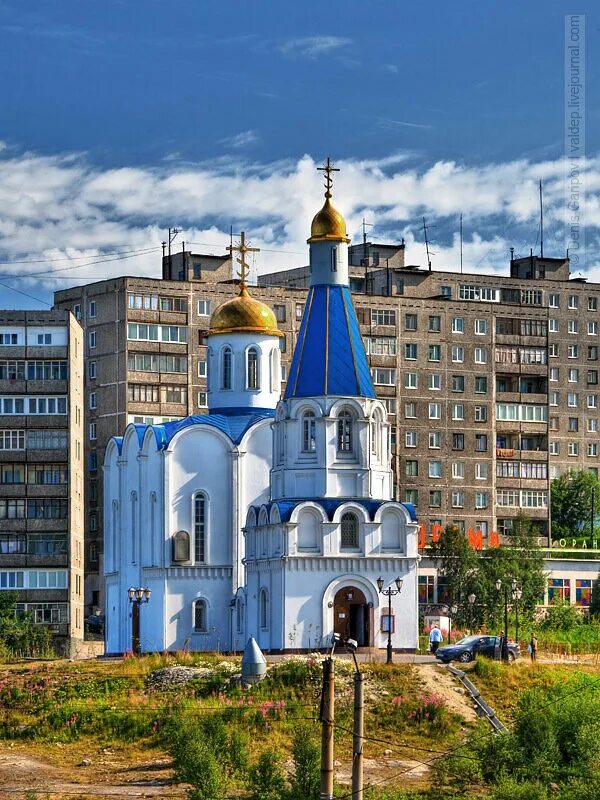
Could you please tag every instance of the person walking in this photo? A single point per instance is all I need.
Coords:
(533, 646)
(435, 639)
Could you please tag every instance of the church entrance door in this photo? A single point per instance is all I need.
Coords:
(351, 615)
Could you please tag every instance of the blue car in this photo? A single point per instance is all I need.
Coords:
(467, 648)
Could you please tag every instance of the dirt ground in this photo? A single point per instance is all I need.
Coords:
(60, 771)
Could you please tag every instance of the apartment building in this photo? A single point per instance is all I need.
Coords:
(41, 469)
(490, 381)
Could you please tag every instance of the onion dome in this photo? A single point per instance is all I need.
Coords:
(328, 224)
(244, 314)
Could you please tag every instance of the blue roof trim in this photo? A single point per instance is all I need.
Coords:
(330, 506)
(232, 424)
(329, 358)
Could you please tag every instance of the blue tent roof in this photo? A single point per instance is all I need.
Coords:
(233, 422)
(331, 504)
(329, 358)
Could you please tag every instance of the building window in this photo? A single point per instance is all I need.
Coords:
(592, 329)
(349, 531)
(481, 471)
(202, 369)
(426, 588)
(458, 411)
(204, 308)
(410, 322)
(458, 441)
(226, 363)
(458, 325)
(583, 586)
(252, 369)
(263, 609)
(92, 340)
(435, 324)
(573, 326)
(481, 355)
(481, 442)
(93, 400)
(435, 410)
(344, 432)
(435, 498)
(200, 528)
(480, 327)
(309, 444)
(383, 377)
(410, 438)
(93, 432)
(279, 313)
(481, 499)
(410, 351)
(435, 381)
(573, 448)
(435, 440)
(480, 413)
(458, 499)
(592, 425)
(573, 351)
(435, 352)
(458, 354)
(480, 385)
(554, 301)
(200, 616)
(559, 590)
(435, 469)
(410, 380)
(458, 383)
(92, 308)
(573, 301)
(411, 496)
(411, 469)
(458, 470)
(202, 399)
(410, 410)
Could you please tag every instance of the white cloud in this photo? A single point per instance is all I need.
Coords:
(313, 46)
(63, 207)
(240, 140)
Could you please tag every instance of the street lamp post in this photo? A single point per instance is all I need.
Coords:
(137, 596)
(471, 598)
(389, 593)
(517, 594)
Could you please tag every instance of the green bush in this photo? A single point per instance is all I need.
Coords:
(266, 779)
(561, 617)
(305, 781)
(487, 669)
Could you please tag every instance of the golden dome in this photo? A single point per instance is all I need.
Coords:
(244, 314)
(328, 224)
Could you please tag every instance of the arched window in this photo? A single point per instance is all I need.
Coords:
(239, 616)
(264, 609)
(334, 259)
(376, 435)
(344, 432)
(252, 369)
(153, 558)
(200, 528)
(181, 546)
(200, 616)
(349, 538)
(275, 368)
(226, 359)
(133, 527)
(309, 444)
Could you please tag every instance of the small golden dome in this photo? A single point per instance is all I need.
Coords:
(328, 224)
(244, 314)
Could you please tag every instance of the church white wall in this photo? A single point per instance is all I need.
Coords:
(328, 263)
(239, 396)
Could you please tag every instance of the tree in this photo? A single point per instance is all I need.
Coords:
(572, 496)
(458, 566)
(519, 559)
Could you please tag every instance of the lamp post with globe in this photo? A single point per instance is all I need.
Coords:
(389, 593)
(137, 596)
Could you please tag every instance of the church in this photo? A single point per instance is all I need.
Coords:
(269, 516)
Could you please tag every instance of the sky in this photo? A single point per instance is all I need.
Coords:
(122, 118)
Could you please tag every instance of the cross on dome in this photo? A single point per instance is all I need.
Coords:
(242, 248)
(328, 169)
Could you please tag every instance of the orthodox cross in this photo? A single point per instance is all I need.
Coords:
(328, 169)
(242, 248)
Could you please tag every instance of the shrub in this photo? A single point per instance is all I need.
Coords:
(305, 781)
(266, 780)
(561, 617)
(487, 669)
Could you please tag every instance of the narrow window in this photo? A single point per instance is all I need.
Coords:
(344, 432)
(252, 372)
(308, 433)
(200, 528)
(349, 539)
(200, 616)
(264, 609)
(226, 369)
(334, 259)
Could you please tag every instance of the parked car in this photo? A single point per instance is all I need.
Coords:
(469, 647)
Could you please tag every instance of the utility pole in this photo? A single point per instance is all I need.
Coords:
(366, 225)
(461, 246)
(541, 223)
(358, 737)
(172, 234)
(426, 244)
(327, 718)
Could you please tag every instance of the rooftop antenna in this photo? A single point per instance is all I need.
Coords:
(461, 245)
(541, 222)
(426, 244)
(172, 234)
(366, 225)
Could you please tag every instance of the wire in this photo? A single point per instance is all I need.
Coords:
(76, 258)
(25, 294)
(136, 254)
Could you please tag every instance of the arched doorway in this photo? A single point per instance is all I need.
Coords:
(351, 615)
